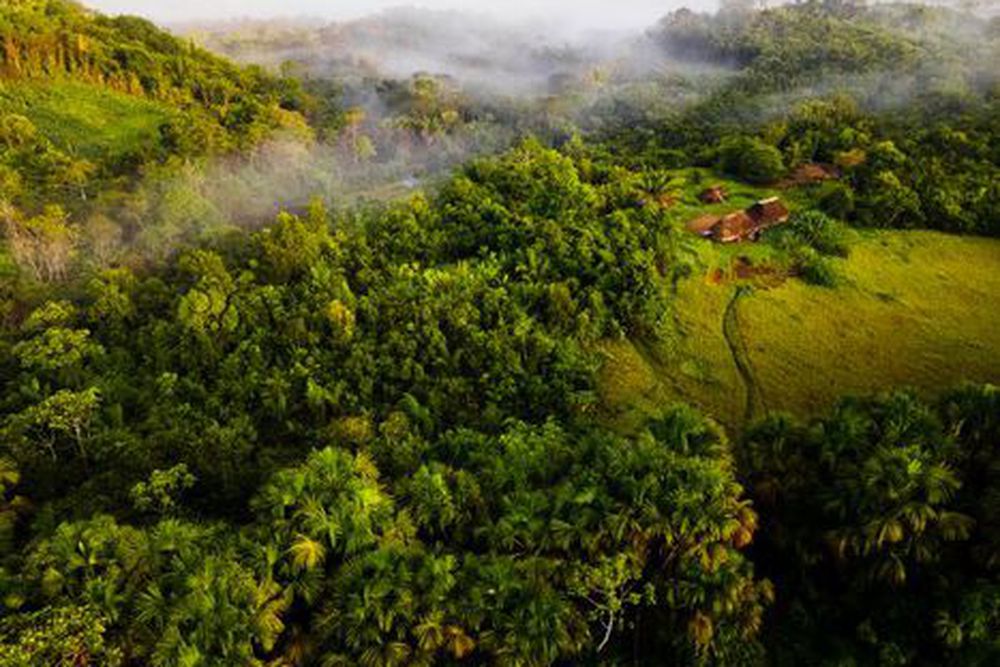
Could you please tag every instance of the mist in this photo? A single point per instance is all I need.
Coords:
(499, 74)
(500, 77)
(553, 14)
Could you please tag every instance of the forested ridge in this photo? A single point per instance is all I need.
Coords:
(59, 38)
(382, 433)
(96, 112)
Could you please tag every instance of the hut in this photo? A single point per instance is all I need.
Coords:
(748, 225)
(768, 212)
(810, 173)
(703, 224)
(734, 228)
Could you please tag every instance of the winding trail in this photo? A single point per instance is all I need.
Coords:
(741, 353)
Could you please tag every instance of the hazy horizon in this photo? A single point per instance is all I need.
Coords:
(571, 13)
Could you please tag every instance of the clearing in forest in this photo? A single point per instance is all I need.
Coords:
(913, 309)
(86, 120)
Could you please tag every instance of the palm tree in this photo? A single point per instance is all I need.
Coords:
(661, 186)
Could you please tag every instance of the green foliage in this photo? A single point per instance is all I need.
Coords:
(54, 38)
(171, 594)
(911, 309)
(787, 46)
(533, 210)
(64, 416)
(815, 230)
(811, 239)
(56, 349)
(380, 436)
(467, 504)
(12, 506)
(751, 160)
(86, 121)
(160, 493)
(333, 502)
(515, 543)
(89, 105)
(910, 124)
(874, 515)
(837, 201)
(815, 269)
(60, 636)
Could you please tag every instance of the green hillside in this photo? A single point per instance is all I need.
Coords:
(88, 120)
(916, 309)
(86, 100)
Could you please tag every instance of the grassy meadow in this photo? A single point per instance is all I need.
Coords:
(85, 120)
(914, 309)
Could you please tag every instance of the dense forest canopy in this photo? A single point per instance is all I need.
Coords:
(329, 363)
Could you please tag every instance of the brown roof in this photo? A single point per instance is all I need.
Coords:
(813, 171)
(741, 225)
(734, 227)
(702, 224)
(810, 173)
(768, 212)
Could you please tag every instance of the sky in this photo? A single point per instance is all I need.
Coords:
(582, 13)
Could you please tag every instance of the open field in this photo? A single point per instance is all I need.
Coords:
(914, 309)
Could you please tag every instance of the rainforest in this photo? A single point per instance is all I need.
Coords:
(454, 335)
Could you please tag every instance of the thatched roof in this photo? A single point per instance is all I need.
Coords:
(703, 224)
(810, 173)
(741, 225)
(768, 212)
(734, 227)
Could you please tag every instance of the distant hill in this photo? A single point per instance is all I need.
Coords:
(799, 45)
(86, 99)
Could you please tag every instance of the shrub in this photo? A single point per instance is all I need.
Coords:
(837, 200)
(816, 269)
(751, 159)
(821, 232)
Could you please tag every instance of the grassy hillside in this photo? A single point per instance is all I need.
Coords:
(93, 122)
(917, 309)
(86, 100)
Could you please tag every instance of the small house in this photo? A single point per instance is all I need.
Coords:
(810, 173)
(703, 224)
(736, 227)
(768, 212)
(740, 226)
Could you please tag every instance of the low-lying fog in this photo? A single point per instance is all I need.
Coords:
(480, 53)
(517, 47)
(547, 68)
(495, 75)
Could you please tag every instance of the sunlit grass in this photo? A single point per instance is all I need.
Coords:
(916, 309)
(84, 120)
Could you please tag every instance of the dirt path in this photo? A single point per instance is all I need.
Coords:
(741, 354)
